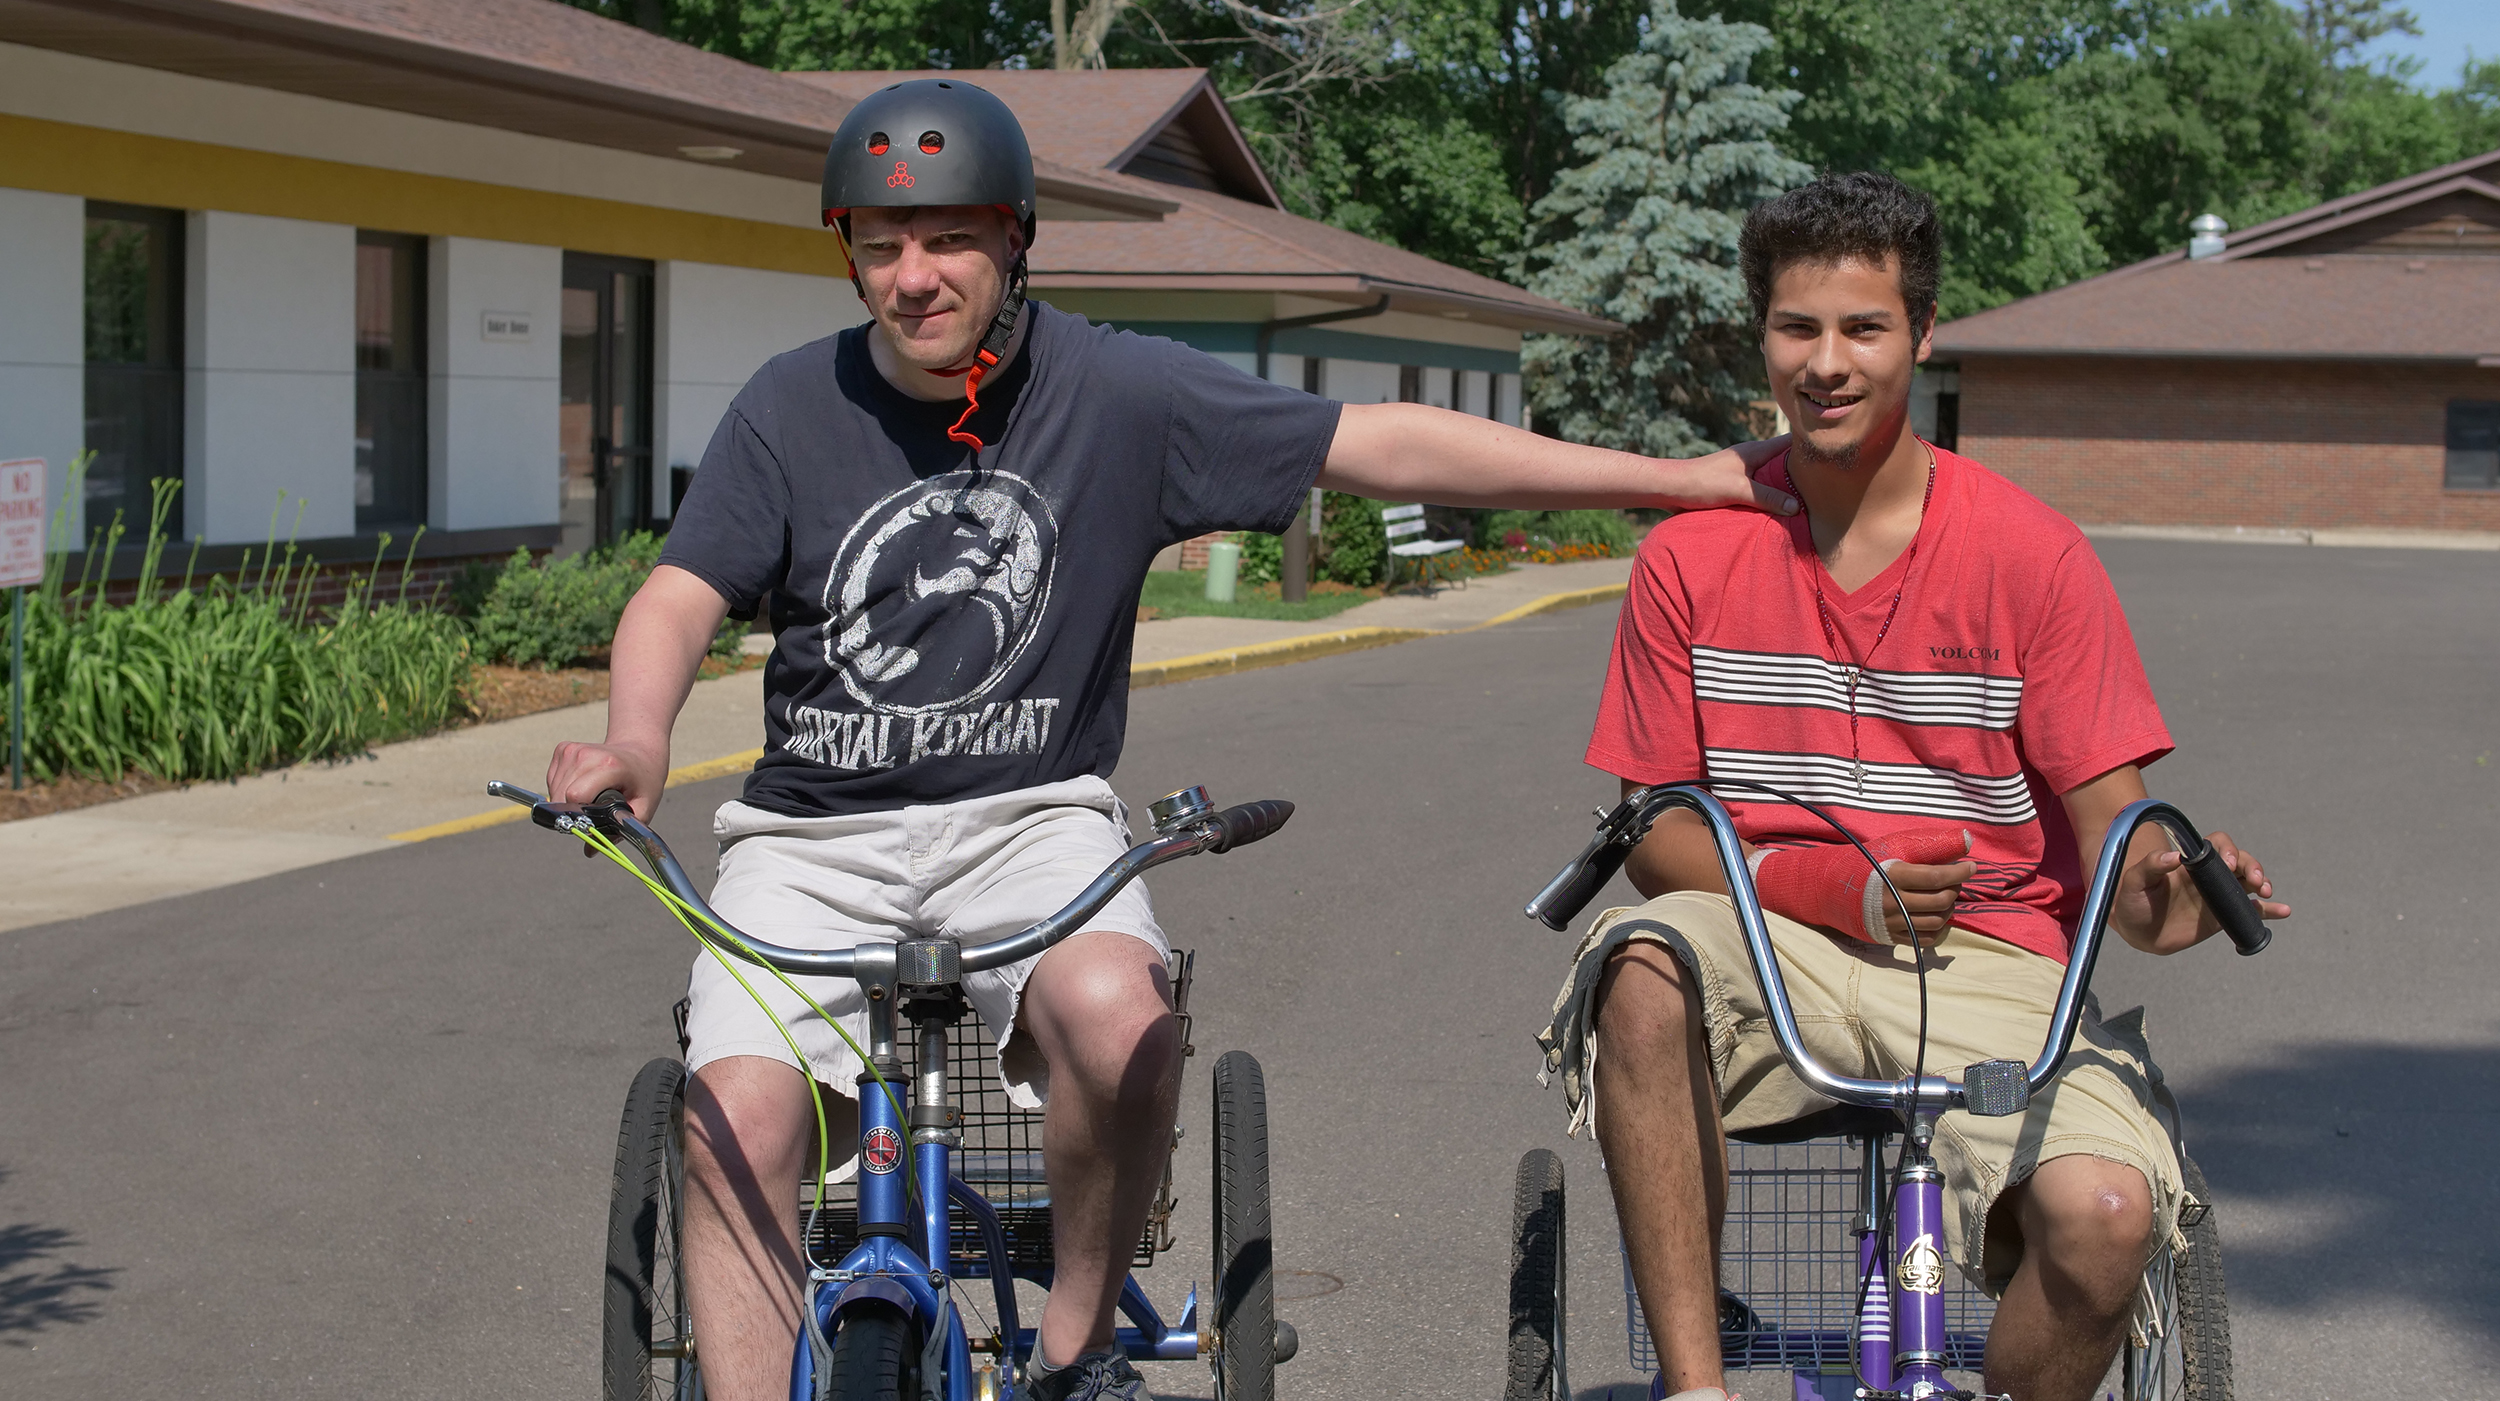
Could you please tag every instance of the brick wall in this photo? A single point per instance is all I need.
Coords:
(2114, 441)
(1194, 552)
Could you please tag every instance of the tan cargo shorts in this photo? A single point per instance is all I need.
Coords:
(1857, 1011)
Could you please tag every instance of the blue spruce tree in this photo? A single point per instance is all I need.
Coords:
(1644, 232)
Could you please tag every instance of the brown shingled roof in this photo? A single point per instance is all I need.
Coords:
(521, 65)
(2407, 271)
(2340, 308)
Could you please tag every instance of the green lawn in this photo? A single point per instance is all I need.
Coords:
(1182, 593)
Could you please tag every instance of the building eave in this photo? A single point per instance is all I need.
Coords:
(1349, 288)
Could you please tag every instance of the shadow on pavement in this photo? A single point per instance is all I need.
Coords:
(37, 1290)
(2361, 1176)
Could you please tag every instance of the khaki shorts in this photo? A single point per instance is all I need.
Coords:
(1857, 1011)
(976, 870)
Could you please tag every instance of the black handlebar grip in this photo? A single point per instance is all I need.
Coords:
(2230, 904)
(1571, 890)
(1248, 822)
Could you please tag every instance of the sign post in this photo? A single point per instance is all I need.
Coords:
(21, 568)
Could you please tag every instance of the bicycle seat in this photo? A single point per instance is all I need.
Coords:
(1839, 1121)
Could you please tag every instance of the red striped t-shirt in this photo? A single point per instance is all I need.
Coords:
(2008, 678)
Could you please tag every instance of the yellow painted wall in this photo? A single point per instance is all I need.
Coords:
(133, 169)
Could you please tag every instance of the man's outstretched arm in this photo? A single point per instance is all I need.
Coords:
(1415, 452)
(659, 644)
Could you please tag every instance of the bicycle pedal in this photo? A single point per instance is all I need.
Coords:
(1993, 1089)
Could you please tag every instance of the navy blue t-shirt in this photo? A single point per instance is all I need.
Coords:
(952, 626)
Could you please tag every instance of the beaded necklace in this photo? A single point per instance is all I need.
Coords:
(1831, 632)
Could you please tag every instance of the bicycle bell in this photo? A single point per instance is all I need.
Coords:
(1174, 811)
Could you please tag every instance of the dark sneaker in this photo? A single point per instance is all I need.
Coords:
(1096, 1376)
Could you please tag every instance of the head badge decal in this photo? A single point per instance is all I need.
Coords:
(882, 1151)
(938, 590)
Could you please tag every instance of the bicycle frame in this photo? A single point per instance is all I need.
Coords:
(891, 1264)
(899, 1261)
(1903, 1346)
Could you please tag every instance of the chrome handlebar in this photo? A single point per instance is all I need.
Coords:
(1990, 1087)
(1186, 823)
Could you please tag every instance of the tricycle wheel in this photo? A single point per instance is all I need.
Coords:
(2189, 1358)
(1536, 1281)
(647, 1340)
(876, 1356)
(1245, 1285)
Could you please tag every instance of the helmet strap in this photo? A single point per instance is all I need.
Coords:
(1002, 334)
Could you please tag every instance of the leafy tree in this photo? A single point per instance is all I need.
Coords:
(1645, 230)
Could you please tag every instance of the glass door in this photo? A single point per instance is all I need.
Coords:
(605, 421)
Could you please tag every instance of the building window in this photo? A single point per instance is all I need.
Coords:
(1410, 384)
(390, 380)
(2474, 444)
(134, 360)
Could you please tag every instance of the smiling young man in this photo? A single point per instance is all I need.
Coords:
(948, 514)
(1938, 660)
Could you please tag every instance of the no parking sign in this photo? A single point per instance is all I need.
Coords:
(21, 568)
(21, 523)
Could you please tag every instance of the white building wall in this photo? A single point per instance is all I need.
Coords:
(1507, 405)
(492, 404)
(1359, 382)
(714, 327)
(1282, 368)
(43, 349)
(269, 390)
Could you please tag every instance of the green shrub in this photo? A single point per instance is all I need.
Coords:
(216, 681)
(1262, 557)
(1607, 528)
(555, 612)
(1356, 543)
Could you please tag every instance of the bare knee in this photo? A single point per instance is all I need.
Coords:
(1646, 1008)
(748, 1126)
(1099, 1009)
(2089, 1222)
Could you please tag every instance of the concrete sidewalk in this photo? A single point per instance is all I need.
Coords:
(1168, 646)
(211, 835)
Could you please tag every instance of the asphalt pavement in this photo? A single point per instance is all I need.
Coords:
(347, 1130)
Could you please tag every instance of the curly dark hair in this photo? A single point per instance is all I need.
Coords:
(1863, 214)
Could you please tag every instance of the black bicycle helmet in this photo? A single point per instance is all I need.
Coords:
(936, 141)
(931, 141)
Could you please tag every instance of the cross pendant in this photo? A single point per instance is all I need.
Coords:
(1858, 773)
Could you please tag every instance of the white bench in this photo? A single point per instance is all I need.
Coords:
(1403, 521)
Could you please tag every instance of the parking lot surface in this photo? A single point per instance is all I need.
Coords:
(347, 1130)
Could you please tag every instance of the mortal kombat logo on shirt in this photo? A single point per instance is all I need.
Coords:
(938, 590)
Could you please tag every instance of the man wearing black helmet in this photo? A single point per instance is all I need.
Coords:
(949, 513)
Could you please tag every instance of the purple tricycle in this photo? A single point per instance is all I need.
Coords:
(1887, 1320)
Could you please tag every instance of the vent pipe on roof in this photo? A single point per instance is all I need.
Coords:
(2207, 231)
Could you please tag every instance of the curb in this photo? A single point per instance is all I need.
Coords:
(721, 767)
(1191, 668)
(1328, 644)
(2265, 535)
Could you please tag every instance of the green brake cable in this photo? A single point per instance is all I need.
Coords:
(687, 915)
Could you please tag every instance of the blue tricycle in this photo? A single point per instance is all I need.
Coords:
(889, 1252)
